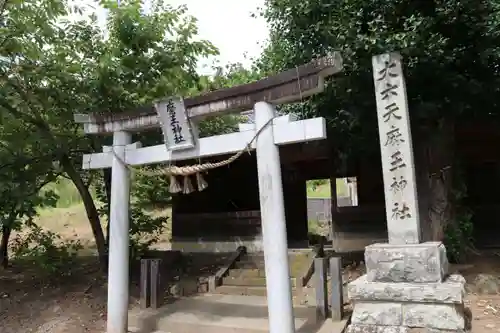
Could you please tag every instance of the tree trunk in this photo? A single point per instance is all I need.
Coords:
(90, 208)
(107, 188)
(4, 246)
(434, 167)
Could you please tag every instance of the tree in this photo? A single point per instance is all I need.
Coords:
(450, 50)
(20, 182)
(52, 68)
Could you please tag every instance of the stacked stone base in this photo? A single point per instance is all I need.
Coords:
(407, 289)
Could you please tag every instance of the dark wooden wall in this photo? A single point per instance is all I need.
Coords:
(230, 189)
(477, 147)
(235, 189)
(230, 207)
(356, 227)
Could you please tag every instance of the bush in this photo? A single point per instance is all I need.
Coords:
(45, 249)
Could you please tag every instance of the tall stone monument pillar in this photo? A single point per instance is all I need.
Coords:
(407, 285)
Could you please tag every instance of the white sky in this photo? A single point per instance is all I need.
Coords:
(228, 25)
(225, 23)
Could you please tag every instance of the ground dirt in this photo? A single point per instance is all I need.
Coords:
(76, 302)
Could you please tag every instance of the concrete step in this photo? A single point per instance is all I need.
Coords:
(243, 291)
(250, 281)
(296, 268)
(249, 272)
(216, 314)
(292, 256)
(248, 291)
(245, 263)
(299, 262)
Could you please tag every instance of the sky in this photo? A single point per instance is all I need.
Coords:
(225, 23)
(229, 26)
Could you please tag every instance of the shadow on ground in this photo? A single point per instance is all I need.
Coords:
(74, 301)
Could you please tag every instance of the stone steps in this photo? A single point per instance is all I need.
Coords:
(249, 291)
(249, 264)
(248, 276)
(297, 260)
(249, 272)
(250, 281)
(296, 266)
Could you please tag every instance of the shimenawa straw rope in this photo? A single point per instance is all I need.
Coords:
(196, 169)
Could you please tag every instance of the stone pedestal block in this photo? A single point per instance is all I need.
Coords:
(451, 291)
(407, 290)
(416, 263)
(437, 316)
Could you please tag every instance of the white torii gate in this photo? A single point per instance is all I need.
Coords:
(288, 86)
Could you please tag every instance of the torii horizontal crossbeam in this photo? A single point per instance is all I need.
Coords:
(284, 133)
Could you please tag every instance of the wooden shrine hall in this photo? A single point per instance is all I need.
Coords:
(227, 214)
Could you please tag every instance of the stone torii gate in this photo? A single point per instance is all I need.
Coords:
(261, 96)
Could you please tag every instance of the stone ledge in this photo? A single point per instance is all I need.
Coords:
(355, 328)
(451, 291)
(438, 316)
(415, 263)
(377, 313)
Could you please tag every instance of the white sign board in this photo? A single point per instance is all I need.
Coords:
(403, 225)
(175, 125)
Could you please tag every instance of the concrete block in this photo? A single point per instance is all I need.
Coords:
(436, 316)
(417, 263)
(374, 313)
(451, 291)
(356, 328)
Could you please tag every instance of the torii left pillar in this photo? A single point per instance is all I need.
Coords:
(118, 268)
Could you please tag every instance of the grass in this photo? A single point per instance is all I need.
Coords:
(324, 191)
(67, 192)
(69, 218)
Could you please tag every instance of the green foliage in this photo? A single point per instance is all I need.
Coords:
(51, 68)
(145, 231)
(458, 236)
(45, 249)
(20, 182)
(151, 192)
(451, 58)
(450, 50)
(64, 189)
(314, 184)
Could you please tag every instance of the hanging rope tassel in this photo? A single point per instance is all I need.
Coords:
(174, 185)
(188, 186)
(202, 184)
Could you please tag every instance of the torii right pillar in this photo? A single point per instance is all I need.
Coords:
(407, 285)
